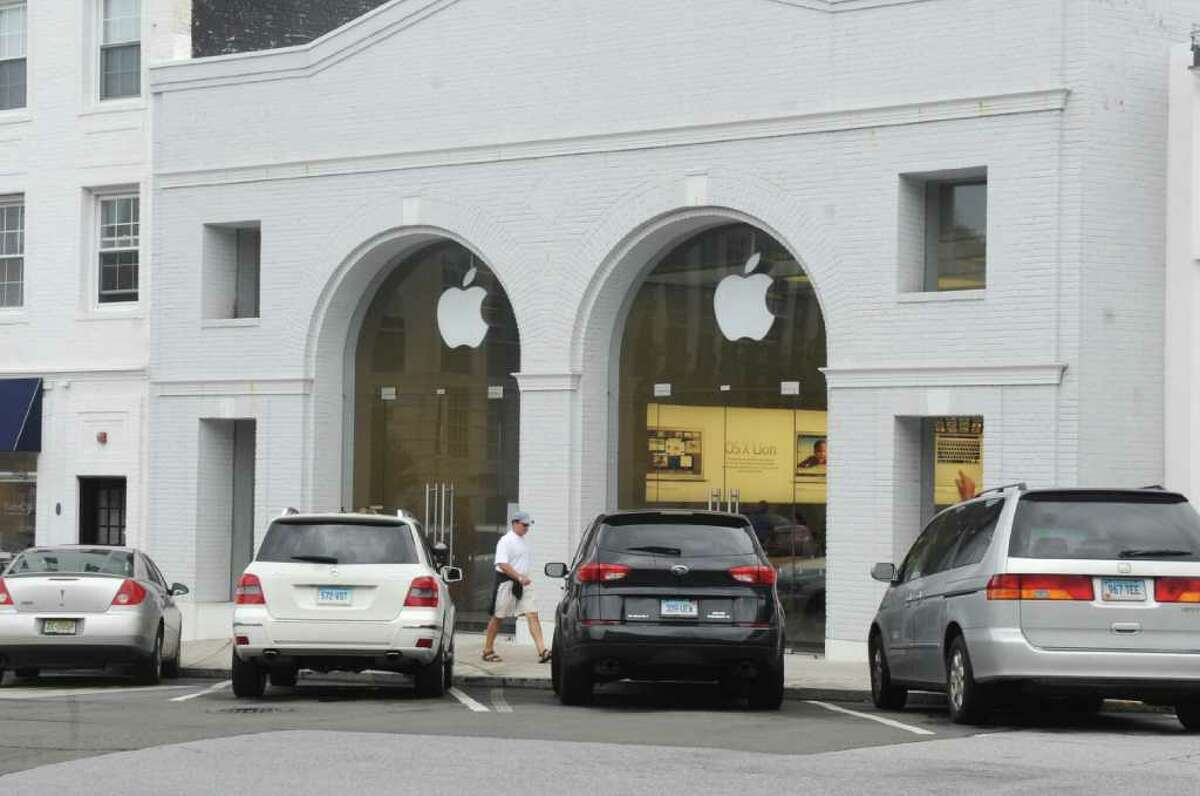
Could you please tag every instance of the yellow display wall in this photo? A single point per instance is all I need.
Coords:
(755, 451)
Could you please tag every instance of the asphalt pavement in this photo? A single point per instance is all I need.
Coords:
(69, 734)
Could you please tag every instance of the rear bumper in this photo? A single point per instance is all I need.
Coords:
(673, 651)
(102, 639)
(1004, 654)
(351, 646)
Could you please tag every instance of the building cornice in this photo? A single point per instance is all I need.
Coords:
(207, 388)
(902, 376)
(547, 382)
(917, 112)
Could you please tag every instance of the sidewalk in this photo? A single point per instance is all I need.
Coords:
(805, 676)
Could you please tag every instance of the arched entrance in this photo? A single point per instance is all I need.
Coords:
(436, 409)
(722, 403)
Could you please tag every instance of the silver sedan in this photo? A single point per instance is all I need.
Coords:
(87, 607)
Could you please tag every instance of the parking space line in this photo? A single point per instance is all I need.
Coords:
(209, 690)
(899, 725)
(50, 693)
(468, 701)
(499, 703)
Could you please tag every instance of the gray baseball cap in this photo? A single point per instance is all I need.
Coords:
(522, 516)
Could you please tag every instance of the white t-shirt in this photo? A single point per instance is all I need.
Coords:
(514, 551)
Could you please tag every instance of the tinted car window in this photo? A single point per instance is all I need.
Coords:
(931, 547)
(1149, 526)
(339, 543)
(75, 562)
(677, 539)
(979, 523)
(944, 542)
(914, 561)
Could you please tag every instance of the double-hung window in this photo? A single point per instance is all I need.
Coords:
(120, 49)
(119, 241)
(12, 251)
(12, 55)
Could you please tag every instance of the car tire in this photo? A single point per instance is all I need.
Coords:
(27, 674)
(574, 684)
(1188, 714)
(249, 679)
(555, 667)
(430, 679)
(766, 692)
(149, 670)
(967, 700)
(284, 678)
(885, 695)
(171, 667)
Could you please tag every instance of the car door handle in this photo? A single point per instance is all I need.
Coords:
(913, 597)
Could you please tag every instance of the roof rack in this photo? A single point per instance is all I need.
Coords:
(1020, 485)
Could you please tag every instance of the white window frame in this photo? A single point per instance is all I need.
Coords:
(24, 56)
(18, 201)
(102, 45)
(99, 248)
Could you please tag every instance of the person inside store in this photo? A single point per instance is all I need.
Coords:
(512, 592)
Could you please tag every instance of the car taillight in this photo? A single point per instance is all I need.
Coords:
(759, 576)
(601, 573)
(1166, 590)
(423, 593)
(249, 590)
(1041, 587)
(130, 593)
(5, 597)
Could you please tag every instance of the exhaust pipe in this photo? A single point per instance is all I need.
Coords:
(270, 654)
(393, 655)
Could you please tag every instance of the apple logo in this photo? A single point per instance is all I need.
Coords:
(741, 303)
(460, 315)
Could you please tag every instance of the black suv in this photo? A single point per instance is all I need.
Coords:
(669, 595)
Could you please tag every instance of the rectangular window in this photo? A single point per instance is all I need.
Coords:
(18, 501)
(119, 242)
(955, 235)
(120, 49)
(12, 55)
(102, 511)
(12, 251)
(232, 254)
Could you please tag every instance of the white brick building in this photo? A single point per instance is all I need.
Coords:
(572, 152)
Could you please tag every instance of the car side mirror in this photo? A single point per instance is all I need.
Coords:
(884, 572)
(452, 574)
(178, 590)
(556, 570)
(441, 554)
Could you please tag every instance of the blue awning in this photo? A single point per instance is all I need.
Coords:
(20, 415)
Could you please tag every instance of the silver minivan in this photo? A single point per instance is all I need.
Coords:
(1084, 594)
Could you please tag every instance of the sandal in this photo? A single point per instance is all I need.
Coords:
(491, 657)
(544, 657)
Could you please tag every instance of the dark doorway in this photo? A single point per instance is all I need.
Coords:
(102, 511)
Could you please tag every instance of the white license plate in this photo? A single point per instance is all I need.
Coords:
(685, 609)
(333, 595)
(59, 627)
(1123, 590)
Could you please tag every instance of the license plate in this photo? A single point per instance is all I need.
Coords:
(59, 627)
(1121, 590)
(333, 595)
(686, 609)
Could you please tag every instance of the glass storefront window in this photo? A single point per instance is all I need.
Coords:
(436, 403)
(723, 404)
(955, 459)
(18, 501)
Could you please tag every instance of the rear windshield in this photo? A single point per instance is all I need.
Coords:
(1106, 526)
(677, 540)
(74, 562)
(338, 543)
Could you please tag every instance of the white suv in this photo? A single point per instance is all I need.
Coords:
(346, 592)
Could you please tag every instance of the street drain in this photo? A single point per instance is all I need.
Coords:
(252, 710)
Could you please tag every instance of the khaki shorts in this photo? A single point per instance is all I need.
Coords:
(509, 606)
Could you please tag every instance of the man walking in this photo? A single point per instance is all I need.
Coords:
(512, 594)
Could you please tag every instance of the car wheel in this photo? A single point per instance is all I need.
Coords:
(574, 684)
(284, 678)
(149, 671)
(249, 679)
(885, 695)
(449, 666)
(966, 699)
(171, 667)
(27, 674)
(766, 692)
(555, 666)
(431, 678)
(1188, 714)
